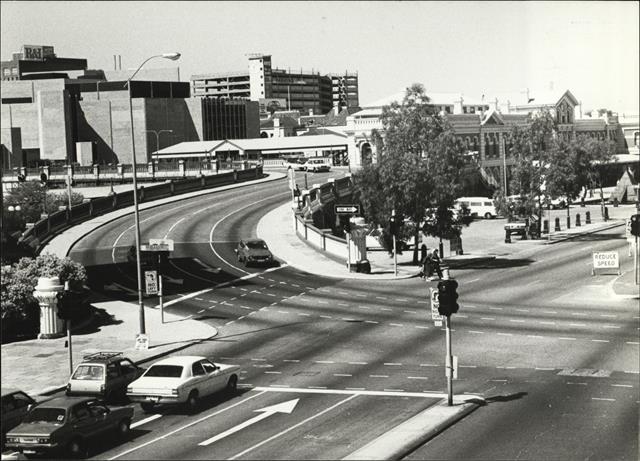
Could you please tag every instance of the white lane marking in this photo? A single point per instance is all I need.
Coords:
(600, 340)
(385, 309)
(381, 297)
(343, 304)
(633, 342)
(291, 361)
(200, 311)
(495, 308)
(577, 324)
(355, 388)
(544, 369)
(603, 399)
(622, 385)
(259, 360)
(280, 385)
(325, 316)
(273, 372)
(378, 376)
(417, 377)
(516, 321)
(361, 295)
(166, 236)
(426, 328)
(197, 421)
(428, 365)
(364, 307)
(393, 390)
(304, 314)
(357, 391)
(548, 323)
(610, 326)
(474, 280)
(576, 384)
(476, 332)
(505, 334)
(273, 437)
(341, 374)
(608, 315)
(534, 336)
(549, 312)
(317, 387)
(370, 321)
(522, 310)
(144, 421)
(487, 318)
(357, 363)
(567, 339)
(392, 364)
(396, 324)
(323, 361)
(413, 312)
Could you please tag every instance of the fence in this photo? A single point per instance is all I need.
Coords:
(46, 228)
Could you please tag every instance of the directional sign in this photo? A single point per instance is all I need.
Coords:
(160, 245)
(284, 407)
(347, 209)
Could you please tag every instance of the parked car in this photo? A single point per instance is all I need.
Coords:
(316, 165)
(478, 206)
(253, 251)
(15, 405)
(65, 425)
(103, 374)
(182, 380)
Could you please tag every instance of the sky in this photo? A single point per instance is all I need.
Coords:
(588, 47)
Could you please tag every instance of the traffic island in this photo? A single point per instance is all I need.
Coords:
(416, 431)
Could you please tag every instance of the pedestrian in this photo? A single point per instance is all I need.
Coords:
(424, 261)
(435, 264)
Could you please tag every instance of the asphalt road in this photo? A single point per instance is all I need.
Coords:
(551, 349)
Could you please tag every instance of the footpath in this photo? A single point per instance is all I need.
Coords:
(40, 367)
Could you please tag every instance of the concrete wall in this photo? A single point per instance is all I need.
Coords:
(54, 124)
(11, 148)
(167, 74)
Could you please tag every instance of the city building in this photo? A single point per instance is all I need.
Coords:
(82, 116)
(306, 91)
(484, 125)
(38, 61)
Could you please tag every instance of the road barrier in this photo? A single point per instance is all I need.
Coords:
(42, 231)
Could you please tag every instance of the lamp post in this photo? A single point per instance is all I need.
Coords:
(136, 214)
(297, 82)
(157, 133)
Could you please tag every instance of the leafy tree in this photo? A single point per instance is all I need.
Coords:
(31, 198)
(575, 166)
(530, 147)
(419, 167)
(20, 311)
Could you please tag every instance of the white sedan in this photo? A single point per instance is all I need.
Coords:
(182, 379)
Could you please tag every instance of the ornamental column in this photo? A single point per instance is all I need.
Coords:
(46, 291)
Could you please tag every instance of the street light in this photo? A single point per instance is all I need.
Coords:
(136, 214)
(157, 133)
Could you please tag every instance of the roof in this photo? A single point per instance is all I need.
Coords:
(65, 401)
(181, 360)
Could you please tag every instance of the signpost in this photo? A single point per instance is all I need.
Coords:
(435, 315)
(346, 209)
(151, 282)
(153, 279)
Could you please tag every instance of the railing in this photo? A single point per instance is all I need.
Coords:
(100, 174)
(43, 230)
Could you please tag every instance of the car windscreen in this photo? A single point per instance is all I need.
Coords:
(45, 415)
(89, 372)
(164, 371)
(257, 245)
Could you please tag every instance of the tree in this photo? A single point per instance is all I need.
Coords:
(20, 310)
(530, 146)
(575, 166)
(419, 167)
(33, 200)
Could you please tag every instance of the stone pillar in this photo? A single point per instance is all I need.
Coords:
(181, 169)
(51, 326)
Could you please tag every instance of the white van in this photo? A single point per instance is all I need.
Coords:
(317, 164)
(478, 206)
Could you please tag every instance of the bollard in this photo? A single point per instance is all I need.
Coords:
(557, 228)
(568, 222)
(606, 214)
(545, 226)
(587, 218)
(578, 220)
(507, 236)
(582, 202)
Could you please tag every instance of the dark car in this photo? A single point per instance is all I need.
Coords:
(253, 251)
(65, 425)
(15, 405)
(103, 374)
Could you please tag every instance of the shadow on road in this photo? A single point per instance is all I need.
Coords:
(499, 398)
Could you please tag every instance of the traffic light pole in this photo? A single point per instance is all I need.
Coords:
(449, 362)
(395, 258)
(70, 348)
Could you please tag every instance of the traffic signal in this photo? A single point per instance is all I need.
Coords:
(70, 305)
(635, 225)
(447, 297)
(395, 223)
(43, 178)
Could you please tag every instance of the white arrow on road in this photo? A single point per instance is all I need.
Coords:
(166, 278)
(284, 407)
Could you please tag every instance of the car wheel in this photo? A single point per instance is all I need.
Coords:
(147, 407)
(123, 428)
(232, 384)
(193, 401)
(487, 215)
(77, 449)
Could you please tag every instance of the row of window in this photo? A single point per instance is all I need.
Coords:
(9, 71)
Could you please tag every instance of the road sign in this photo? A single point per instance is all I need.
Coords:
(346, 209)
(142, 342)
(605, 260)
(160, 245)
(151, 282)
(435, 303)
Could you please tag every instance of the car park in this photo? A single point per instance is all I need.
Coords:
(15, 405)
(182, 380)
(66, 425)
(253, 251)
(478, 206)
(103, 374)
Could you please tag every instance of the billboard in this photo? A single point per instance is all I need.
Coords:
(36, 52)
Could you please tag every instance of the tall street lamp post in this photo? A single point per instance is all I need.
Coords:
(157, 133)
(173, 57)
